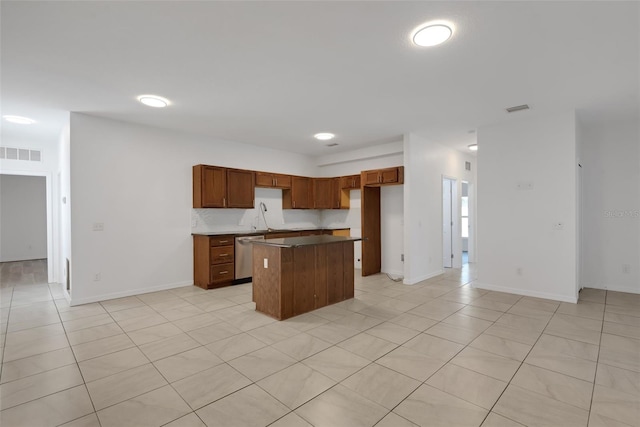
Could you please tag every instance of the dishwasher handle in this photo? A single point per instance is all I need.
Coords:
(248, 239)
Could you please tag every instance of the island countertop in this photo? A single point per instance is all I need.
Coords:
(295, 242)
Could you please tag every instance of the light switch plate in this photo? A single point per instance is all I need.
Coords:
(266, 263)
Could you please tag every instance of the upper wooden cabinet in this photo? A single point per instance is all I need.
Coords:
(349, 182)
(216, 187)
(209, 187)
(240, 188)
(272, 180)
(383, 176)
(300, 195)
(323, 197)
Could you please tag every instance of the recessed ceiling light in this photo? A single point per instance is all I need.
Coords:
(19, 120)
(473, 147)
(432, 34)
(324, 136)
(153, 101)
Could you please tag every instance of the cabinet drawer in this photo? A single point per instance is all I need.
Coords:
(221, 240)
(221, 254)
(221, 273)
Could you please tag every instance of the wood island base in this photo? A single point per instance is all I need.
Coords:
(292, 280)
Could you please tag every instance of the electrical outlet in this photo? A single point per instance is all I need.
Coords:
(266, 262)
(519, 271)
(558, 226)
(98, 226)
(402, 257)
(96, 277)
(626, 268)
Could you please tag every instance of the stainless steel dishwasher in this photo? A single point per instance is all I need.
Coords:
(244, 257)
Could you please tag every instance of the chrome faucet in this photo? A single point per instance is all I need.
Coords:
(263, 209)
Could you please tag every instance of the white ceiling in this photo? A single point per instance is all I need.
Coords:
(275, 73)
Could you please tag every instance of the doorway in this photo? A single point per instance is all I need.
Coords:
(27, 219)
(448, 221)
(465, 224)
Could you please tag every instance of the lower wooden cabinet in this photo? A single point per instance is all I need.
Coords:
(213, 261)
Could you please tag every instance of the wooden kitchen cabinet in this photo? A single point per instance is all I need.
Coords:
(217, 187)
(272, 180)
(300, 195)
(350, 182)
(240, 189)
(383, 176)
(209, 187)
(323, 193)
(213, 261)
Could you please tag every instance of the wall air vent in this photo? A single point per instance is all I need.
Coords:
(333, 144)
(517, 108)
(10, 153)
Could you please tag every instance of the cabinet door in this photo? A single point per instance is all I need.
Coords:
(265, 179)
(351, 181)
(336, 194)
(323, 193)
(371, 177)
(240, 188)
(282, 181)
(389, 175)
(301, 192)
(214, 187)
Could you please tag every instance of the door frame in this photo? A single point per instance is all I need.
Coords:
(52, 255)
(456, 239)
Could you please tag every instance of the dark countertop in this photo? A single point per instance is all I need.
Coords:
(259, 232)
(294, 242)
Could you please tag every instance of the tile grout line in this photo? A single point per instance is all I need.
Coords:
(595, 375)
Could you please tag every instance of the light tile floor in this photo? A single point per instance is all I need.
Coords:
(439, 353)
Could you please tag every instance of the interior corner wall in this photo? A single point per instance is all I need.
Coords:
(527, 215)
(611, 206)
(23, 218)
(63, 178)
(426, 163)
(137, 181)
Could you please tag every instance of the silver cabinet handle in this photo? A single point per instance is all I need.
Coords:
(223, 241)
(223, 255)
(224, 272)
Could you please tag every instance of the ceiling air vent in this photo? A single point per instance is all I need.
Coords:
(517, 108)
(333, 144)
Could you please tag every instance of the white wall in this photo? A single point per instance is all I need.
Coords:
(515, 228)
(63, 179)
(426, 162)
(23, 218)
(137, 181)
(611, 218)
(392, 229)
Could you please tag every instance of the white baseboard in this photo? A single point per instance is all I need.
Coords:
(419, 279)
(128, 293)
(615, 288)
(524, 292)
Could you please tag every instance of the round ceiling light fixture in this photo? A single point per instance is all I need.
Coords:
(154, 101)
(324, 136)
(432, 34)
(473, 147)
(19, 120)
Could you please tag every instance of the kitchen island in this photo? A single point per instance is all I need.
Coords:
(295, 275)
